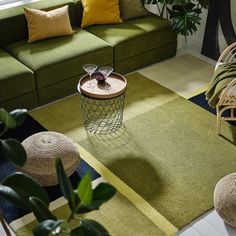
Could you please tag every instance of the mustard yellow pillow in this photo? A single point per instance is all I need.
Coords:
(100, 12)
(47, 24)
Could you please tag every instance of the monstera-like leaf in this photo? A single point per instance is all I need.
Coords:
(184, 19)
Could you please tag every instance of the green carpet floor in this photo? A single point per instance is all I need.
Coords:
(119, 216)
(167, 150)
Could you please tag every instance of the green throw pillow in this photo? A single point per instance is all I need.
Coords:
(131, 9)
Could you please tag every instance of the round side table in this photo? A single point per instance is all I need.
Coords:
(102, 103)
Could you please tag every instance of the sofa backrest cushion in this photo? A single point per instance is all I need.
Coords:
(13, 25)
(98, 12)
(47, 24)
(78, 12)
(131, 9)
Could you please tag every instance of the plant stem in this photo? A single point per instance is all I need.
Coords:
(3, 132)
(70, 217)
(158, 8)
(73, 212)
(4, 225)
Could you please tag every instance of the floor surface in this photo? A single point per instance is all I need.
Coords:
(209, 224)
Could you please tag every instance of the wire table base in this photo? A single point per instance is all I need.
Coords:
(102, 116)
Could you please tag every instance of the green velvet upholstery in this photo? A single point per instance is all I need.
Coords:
(135, 36)
(38, 73)
(145, 59)
(61, 58)
(15, 78)
(13, 25)
(26, 100)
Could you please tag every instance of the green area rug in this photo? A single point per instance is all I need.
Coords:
(119, 216)
(168, 151)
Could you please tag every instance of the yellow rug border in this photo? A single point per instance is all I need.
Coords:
(152, 214)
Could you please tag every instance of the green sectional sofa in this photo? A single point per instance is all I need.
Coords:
(38, 73)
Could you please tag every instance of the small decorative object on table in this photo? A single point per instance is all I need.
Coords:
(225, 199)
(103, 103)
(99, 76)
(90, 69)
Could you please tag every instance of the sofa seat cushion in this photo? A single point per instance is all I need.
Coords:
(15, 78)
(135, 36)
(57, 59)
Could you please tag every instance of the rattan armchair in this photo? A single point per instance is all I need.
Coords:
(227, 99)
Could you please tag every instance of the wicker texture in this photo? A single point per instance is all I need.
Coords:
(225, 199)
(227, 99)
(41, 149)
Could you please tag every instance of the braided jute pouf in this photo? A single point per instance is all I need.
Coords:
(41, 149)
(225, 199)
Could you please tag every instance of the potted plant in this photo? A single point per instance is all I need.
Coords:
(184, 15)
(23, 191)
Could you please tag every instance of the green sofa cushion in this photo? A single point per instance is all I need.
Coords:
(57, 59)
(135, 36)
(15, 78)
(13, 25)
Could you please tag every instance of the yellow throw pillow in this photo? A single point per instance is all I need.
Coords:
(100, 12)
(47, 24)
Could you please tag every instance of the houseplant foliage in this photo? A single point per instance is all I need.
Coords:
(184, 15)
(11, 148)
(23, 191)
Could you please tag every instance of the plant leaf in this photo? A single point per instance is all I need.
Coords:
(47, 226)
(7, 119)
(13, 197)
(14, 151)
(19, 116)
(87, 208)
(40, 209)
(84, 189)
(89, 227)
(65, 184)
(79, 231)
(101, 194)
(25, 186)
(204, 3)
(184, 19)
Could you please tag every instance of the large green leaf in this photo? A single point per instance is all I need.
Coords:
(65, 184)
(19, 116)
(101, 194)
(7, 119)
(40, 209)
(12, 196)
(14, 151)
(84, 189)
(90, 228)
(87, 208)
(184, 19)
(45, 227)
(25, 186)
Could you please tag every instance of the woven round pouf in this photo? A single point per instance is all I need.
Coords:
(225, 199)
(41, 149)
